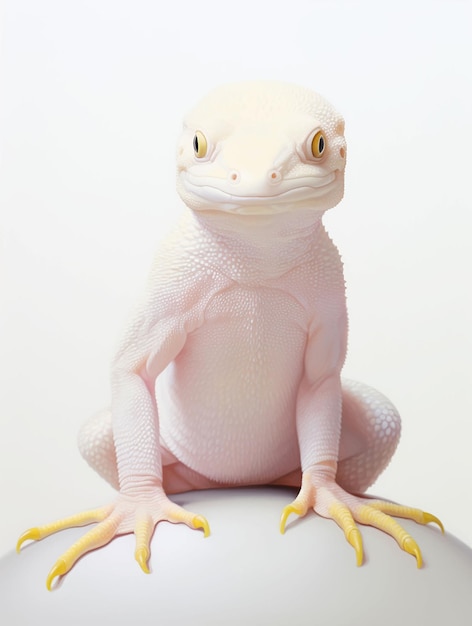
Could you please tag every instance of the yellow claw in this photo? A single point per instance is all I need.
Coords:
(288, 510)
(410, 546)
(428, 518)
(142, 557)
(59, 569)
(32, 533)
(201, 522)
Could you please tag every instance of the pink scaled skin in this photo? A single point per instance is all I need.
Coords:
(229, 372)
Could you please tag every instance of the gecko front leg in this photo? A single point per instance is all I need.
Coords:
(369, 438)
(142, 502)
(154, 337)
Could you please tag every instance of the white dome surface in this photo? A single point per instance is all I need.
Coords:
(246, 572)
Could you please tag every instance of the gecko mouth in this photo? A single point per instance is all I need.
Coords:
(290, 191)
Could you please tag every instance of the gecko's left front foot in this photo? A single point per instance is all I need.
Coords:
(128, 514)
(320, 492)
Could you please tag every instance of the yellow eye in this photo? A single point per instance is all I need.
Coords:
(318, 144)
(200, 145)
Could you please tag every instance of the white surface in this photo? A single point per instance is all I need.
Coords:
(246, 572)
(92, 98)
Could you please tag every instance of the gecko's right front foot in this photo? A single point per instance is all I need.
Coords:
(129, 513)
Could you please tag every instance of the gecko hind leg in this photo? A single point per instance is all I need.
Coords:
(371, 428)
(97, 446)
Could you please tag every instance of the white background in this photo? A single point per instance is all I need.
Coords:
(93, 92)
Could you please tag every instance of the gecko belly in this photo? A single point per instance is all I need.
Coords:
(227, 404)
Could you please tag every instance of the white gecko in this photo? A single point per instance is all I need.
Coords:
(229, 372)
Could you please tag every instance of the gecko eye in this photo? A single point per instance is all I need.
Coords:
(318, 144)
(200, 145)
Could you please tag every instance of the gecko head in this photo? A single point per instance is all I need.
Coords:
(261, 147)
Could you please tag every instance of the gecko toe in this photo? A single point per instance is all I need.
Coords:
(344, 519)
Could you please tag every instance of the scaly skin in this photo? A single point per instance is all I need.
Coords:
(246, 303)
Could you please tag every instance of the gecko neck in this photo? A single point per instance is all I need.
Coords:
(260, 246)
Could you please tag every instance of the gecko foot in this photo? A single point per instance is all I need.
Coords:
(329, 500)
(138, 514)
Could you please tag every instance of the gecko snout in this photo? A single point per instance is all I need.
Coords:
(273, 176)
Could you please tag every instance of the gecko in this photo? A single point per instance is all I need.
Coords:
(229, 372)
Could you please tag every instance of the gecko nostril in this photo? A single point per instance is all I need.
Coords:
(234, 176)
(275, 176)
